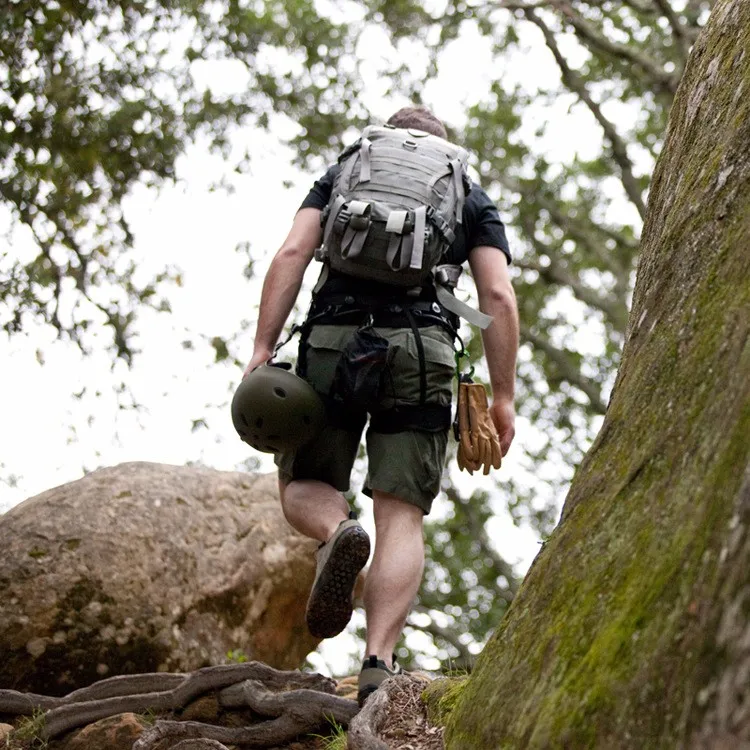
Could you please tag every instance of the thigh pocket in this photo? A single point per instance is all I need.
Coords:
(439, 366)
(324, 347)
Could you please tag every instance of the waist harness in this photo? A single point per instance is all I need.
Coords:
(368, 314)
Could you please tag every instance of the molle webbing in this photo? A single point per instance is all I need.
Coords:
(395, 203)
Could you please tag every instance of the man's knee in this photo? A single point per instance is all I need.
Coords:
(388, 508)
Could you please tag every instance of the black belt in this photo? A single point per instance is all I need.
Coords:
(348, 311)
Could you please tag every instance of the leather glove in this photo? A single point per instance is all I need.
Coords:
(467, 454)
(479, 444)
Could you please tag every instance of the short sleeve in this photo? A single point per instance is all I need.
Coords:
(320, 193)
(484, 225)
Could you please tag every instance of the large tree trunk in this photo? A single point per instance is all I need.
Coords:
(631, 629)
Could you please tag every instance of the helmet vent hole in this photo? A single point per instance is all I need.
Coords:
(280, 392)
(259, 422)
(306, 419)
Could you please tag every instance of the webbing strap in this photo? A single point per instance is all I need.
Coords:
(358, 208)
(420, 224)
(353, 241)
(420, 353)
(396, 221)
(458, 186)
(392, 256)
(333, 214)
(449, 302)
(364, 160)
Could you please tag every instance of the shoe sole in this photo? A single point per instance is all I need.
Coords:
(330, 606)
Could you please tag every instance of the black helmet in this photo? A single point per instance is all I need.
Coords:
(273, 410)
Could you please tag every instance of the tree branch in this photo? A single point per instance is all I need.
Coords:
(652, 68)
(578, 86)
(679, 31)
(568, 371)
(449, 636)
(613, 309)
(479, 534)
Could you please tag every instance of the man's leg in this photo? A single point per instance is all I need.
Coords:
(319, 511)
(395, 572)
(313, 508)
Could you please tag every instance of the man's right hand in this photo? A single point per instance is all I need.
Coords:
(258, 359)
(504, 416)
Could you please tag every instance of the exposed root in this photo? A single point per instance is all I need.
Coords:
(394, 716)
(241, 685)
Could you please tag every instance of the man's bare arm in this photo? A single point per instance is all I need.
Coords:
(497, 298)
(283, 282)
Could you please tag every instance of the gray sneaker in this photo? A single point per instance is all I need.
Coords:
(340, 559)
(374, 672)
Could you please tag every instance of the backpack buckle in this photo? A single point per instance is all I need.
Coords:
(360, 223)
(360, 215)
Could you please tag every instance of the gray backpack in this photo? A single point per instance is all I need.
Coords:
(394, 206)
(393, 211)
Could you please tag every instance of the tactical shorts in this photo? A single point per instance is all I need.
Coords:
(407, 464)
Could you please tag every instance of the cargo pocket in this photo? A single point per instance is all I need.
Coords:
(404, 371)
(440, 363)
(324, 346)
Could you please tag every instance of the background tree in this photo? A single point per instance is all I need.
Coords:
(102, 95)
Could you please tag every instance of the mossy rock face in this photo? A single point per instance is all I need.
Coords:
(631, 627)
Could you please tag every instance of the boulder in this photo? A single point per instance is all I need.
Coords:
(114, 733)
(146, 567)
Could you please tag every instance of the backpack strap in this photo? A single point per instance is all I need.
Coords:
(446, 278)
(333, 213)
(357, 229)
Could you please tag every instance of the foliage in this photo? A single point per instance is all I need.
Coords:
(335, 739)
(30, 731)
(99, 95)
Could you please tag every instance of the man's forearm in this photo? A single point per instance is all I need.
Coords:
(283, 282)
(500, 341)
(280, 290)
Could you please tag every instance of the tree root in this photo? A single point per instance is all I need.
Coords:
(366, 728)
(307, 700)
(295, 712)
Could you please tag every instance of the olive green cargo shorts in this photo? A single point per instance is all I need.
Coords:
(406, 464)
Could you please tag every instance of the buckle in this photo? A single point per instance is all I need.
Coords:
(360, 223)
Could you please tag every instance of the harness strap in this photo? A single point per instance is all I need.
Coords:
(420, 353)
(456, 306)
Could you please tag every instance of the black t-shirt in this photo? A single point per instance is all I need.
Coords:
(481, 225)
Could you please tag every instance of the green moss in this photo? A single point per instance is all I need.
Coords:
(440, 698)
(37, 553)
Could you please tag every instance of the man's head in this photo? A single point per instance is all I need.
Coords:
(419, 118)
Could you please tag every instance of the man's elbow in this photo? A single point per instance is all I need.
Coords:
(498, 298)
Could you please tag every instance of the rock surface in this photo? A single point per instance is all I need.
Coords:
(147, 567)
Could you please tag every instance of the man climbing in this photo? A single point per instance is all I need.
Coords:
(378, 342)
